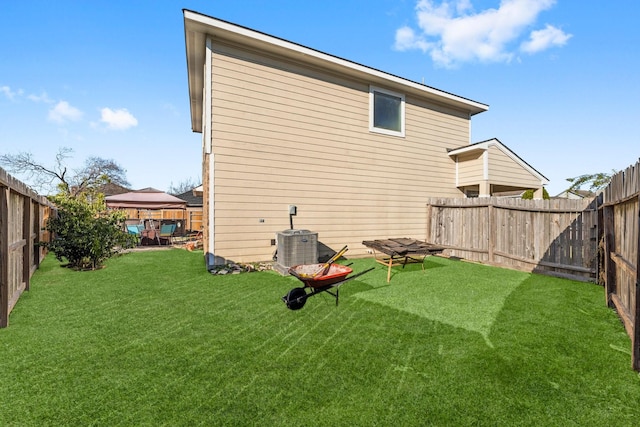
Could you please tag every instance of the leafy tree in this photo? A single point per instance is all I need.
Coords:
(528, 194)
(595, 181)
(95, 172)
(84, 232)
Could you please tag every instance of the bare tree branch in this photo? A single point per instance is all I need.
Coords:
(95, 172)
(183, 186)
(42, 177)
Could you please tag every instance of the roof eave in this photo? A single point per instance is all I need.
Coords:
(484, 145)
(478, 146)
(195, 40)
(198, 27)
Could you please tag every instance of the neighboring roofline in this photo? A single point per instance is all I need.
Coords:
(484, 145)
(191, 198)
(198, 27)
(580, 193)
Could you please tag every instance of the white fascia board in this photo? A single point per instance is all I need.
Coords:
(485, 145)
(198, 25)
(469, 149)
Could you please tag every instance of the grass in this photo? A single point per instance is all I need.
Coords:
(153, 339)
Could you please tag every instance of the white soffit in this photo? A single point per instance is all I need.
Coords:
(484, 146)
(198, 26)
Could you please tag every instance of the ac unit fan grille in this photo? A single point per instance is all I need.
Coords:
(297, 247)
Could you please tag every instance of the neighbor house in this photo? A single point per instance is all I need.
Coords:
(575, 194)
(149, 206)
(490, 168)
(357, 150)
(193, 197)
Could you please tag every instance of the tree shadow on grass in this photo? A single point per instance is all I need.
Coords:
(463, 295)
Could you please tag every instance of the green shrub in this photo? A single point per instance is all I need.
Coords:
(85, 233)
(528, 194)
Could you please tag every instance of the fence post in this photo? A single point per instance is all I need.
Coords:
(609, 246)
(4, 256)
(428, 231)
(492, 228)
(635, 339)
(37, 218)
(27, 249)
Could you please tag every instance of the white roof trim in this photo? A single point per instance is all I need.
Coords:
(485, 145)
(198, 26)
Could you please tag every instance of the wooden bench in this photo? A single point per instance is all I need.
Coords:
(401, 251)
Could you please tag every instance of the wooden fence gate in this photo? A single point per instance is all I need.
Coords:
(555, 237)
(22, 216)
(621, 223)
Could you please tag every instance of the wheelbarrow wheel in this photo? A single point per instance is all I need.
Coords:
(295, 298)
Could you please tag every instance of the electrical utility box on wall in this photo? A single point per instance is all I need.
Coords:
(295, 247)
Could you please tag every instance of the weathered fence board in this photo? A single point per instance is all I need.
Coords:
(555, 237)
(22, 217)
(621, 237)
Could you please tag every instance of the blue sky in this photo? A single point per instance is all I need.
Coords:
(108, 78)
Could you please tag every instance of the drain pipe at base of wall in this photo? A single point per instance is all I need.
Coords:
(211, 260)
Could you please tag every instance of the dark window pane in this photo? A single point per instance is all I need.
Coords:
(386, 113)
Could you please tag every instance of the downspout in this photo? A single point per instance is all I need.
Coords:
(485, 165)
(457, 173)
(485, 190)
(208, 149)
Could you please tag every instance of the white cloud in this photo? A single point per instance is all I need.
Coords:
(63, 112)
(120, 119)
(451, 32)
(406, 39)
(43, 97)
(10, 94)
(544, 39)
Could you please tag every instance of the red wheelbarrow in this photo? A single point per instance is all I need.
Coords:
(319, 278)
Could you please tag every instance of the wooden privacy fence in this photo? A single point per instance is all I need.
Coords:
(191, 217)
(621, 218)
(22, 216)
(555, 237)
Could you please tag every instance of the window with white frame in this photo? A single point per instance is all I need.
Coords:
(386, 112)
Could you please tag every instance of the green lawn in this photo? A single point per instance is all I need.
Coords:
(153, 339)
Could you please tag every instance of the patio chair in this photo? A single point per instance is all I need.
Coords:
(166, 232)
(135, 230)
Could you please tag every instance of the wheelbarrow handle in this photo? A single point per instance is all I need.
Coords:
(333, 259)
(337, 255)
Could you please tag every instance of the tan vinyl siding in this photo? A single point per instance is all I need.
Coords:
(506, 171)
(285, 134)
(470, 168)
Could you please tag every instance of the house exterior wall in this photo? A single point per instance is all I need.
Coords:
(470, 168)
(284, 133)
(503, 170)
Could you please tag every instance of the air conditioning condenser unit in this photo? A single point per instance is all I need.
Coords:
(295, 247)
